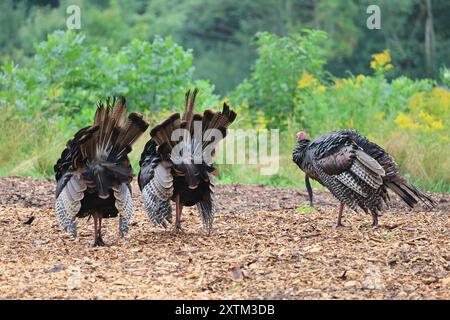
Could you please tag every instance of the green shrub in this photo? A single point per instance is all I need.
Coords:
(272, 85)
(49, 100)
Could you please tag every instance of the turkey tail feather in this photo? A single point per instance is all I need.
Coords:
(106, 151)
(189, 107)
(133, 129)
(162, 133)
(114, 136)
(408, 192)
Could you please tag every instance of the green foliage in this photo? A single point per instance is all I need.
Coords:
(444, 73)
(221, 32)
(67, 77)
(272, 85)
(45, 101)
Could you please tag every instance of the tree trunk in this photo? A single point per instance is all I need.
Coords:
(288, 13)
(430, 44)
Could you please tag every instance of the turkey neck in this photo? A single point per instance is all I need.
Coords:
(300, 151)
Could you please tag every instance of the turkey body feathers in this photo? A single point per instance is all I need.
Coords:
(177, 153)
(356, 170)
(94, 173)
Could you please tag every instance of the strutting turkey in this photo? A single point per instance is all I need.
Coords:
(355, 170)
(177, 164)
(94, 173)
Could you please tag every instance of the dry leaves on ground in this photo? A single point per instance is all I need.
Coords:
(262, 248)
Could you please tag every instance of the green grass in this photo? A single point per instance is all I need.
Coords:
(306, 209)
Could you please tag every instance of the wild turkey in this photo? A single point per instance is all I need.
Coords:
(355, 170)
(182, 171)
(94, 173)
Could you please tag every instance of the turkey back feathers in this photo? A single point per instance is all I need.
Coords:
(191, 143)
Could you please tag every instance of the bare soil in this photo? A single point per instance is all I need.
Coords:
(262, 247)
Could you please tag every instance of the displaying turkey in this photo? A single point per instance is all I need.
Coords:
(177, 164)
(94, 173)
(355, 170)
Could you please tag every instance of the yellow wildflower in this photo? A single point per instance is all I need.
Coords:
(306, 80)
(343, 82)
(360, 78)
(404, 121)
(382, 58)
(348, 81)
(320, 89)
(338, 84)
(381, 61)
(261, 123)
(428, 118)
(437, 125)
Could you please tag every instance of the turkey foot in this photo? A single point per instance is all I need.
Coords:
(98, 242)
(177, 228)
(375, 221)
(339, 225)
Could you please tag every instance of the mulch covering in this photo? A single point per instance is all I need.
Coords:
(262, 247)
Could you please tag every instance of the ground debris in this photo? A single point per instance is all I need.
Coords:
(261, 248)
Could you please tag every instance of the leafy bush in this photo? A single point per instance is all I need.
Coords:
(272, 85)
(59, 89)
(67, 75)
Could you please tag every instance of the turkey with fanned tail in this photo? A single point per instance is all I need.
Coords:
(94, 173)
(177, 164)
(357, 171)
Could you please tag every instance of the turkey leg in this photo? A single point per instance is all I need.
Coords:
(374, 220)
(98, 241)
(338, 222)
(309, 189)
(178, 209)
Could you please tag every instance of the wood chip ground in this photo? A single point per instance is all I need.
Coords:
(262, 247)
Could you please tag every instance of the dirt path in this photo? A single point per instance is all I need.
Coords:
(262, 248)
